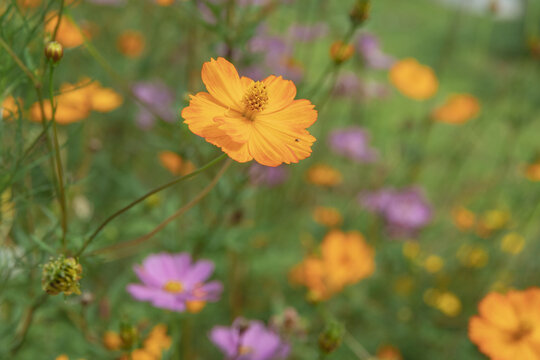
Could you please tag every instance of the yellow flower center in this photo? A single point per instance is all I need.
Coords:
(244, 350)
(195, 306)
(255, 99)
(173, 287)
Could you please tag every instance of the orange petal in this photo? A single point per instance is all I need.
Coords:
(498, 310)
(280, 93)
(300, 114)
(223, 83)
(236, 126)
(200, 114)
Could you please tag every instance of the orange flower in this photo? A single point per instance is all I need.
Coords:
(388, 352)
(413, 79)
(508, 325)
(76, 101)
(251, 119)
(68, 33)
(346, 259)
(112, 341)
(533, 172)
(464, 219)
(341, 52)
(323, 175)
(131, 43)
(327, 216)
(10, 107)
(165, 2)
(175, 164)
(458, 109)
(26, 4)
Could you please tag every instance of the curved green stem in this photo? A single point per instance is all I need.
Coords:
(150, 193)
(59, 167)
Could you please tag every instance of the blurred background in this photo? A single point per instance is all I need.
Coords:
(427, 145)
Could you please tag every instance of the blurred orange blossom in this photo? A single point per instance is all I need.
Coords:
(413, 79)
(251, 119)
(457, 109)
(508, 325)
(346, 259)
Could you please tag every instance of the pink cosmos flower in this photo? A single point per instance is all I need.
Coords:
(174, 282)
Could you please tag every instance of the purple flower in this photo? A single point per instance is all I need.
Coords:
(307, 33)
(369, 49)
(249, 340)
(349, 85)
(267, 175)
(405, 212)
(172, 281)
(158, 101)
(353, 142)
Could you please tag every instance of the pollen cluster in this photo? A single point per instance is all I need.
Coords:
(256, 97)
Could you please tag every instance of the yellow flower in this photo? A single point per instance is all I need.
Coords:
(404, 285)
(327, 216)
(433, 263)
(413, 79)
(491, 221)
(508, 325)
(411, 249)
(513, 243)
(251, 119)
(445, 301)
(341, 52)
(323, 175)
(464, 219)
(175, 164)
(533, 172)
(131, 43)
(458, 109)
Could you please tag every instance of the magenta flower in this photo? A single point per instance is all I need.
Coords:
(370, 50)
(405, 212)
(172, 281)
(353, 143)
(249, 340)
(267, 175)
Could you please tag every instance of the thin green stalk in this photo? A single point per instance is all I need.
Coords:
(150, 193)
(60, 13)
(59, 168)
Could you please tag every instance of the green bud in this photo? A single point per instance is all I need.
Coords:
(54, 51)
(61, 276)
(360, 12)
(332, 336)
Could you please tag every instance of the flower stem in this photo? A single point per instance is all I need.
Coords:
(177, 214)
(150, 193)
(59, 168)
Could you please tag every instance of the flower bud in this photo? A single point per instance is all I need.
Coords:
(330, 339)
(54, 51)
(341, 52)
(61, 276)
(360, 12)
(128, 335)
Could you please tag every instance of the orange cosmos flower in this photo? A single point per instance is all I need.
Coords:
(251, 119)
(413, 79)
(341, 52)
(346, 259)
(76, 101)
(327, 216)
(464, 219)
(458, 109)
(323, 175)
(388, 352)
(175, 164)
(508, 325)
(131, 43)
(29, 4)
(68, 33)
(10, 107)
(533, 172)
(112, 341)
(165, 2)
